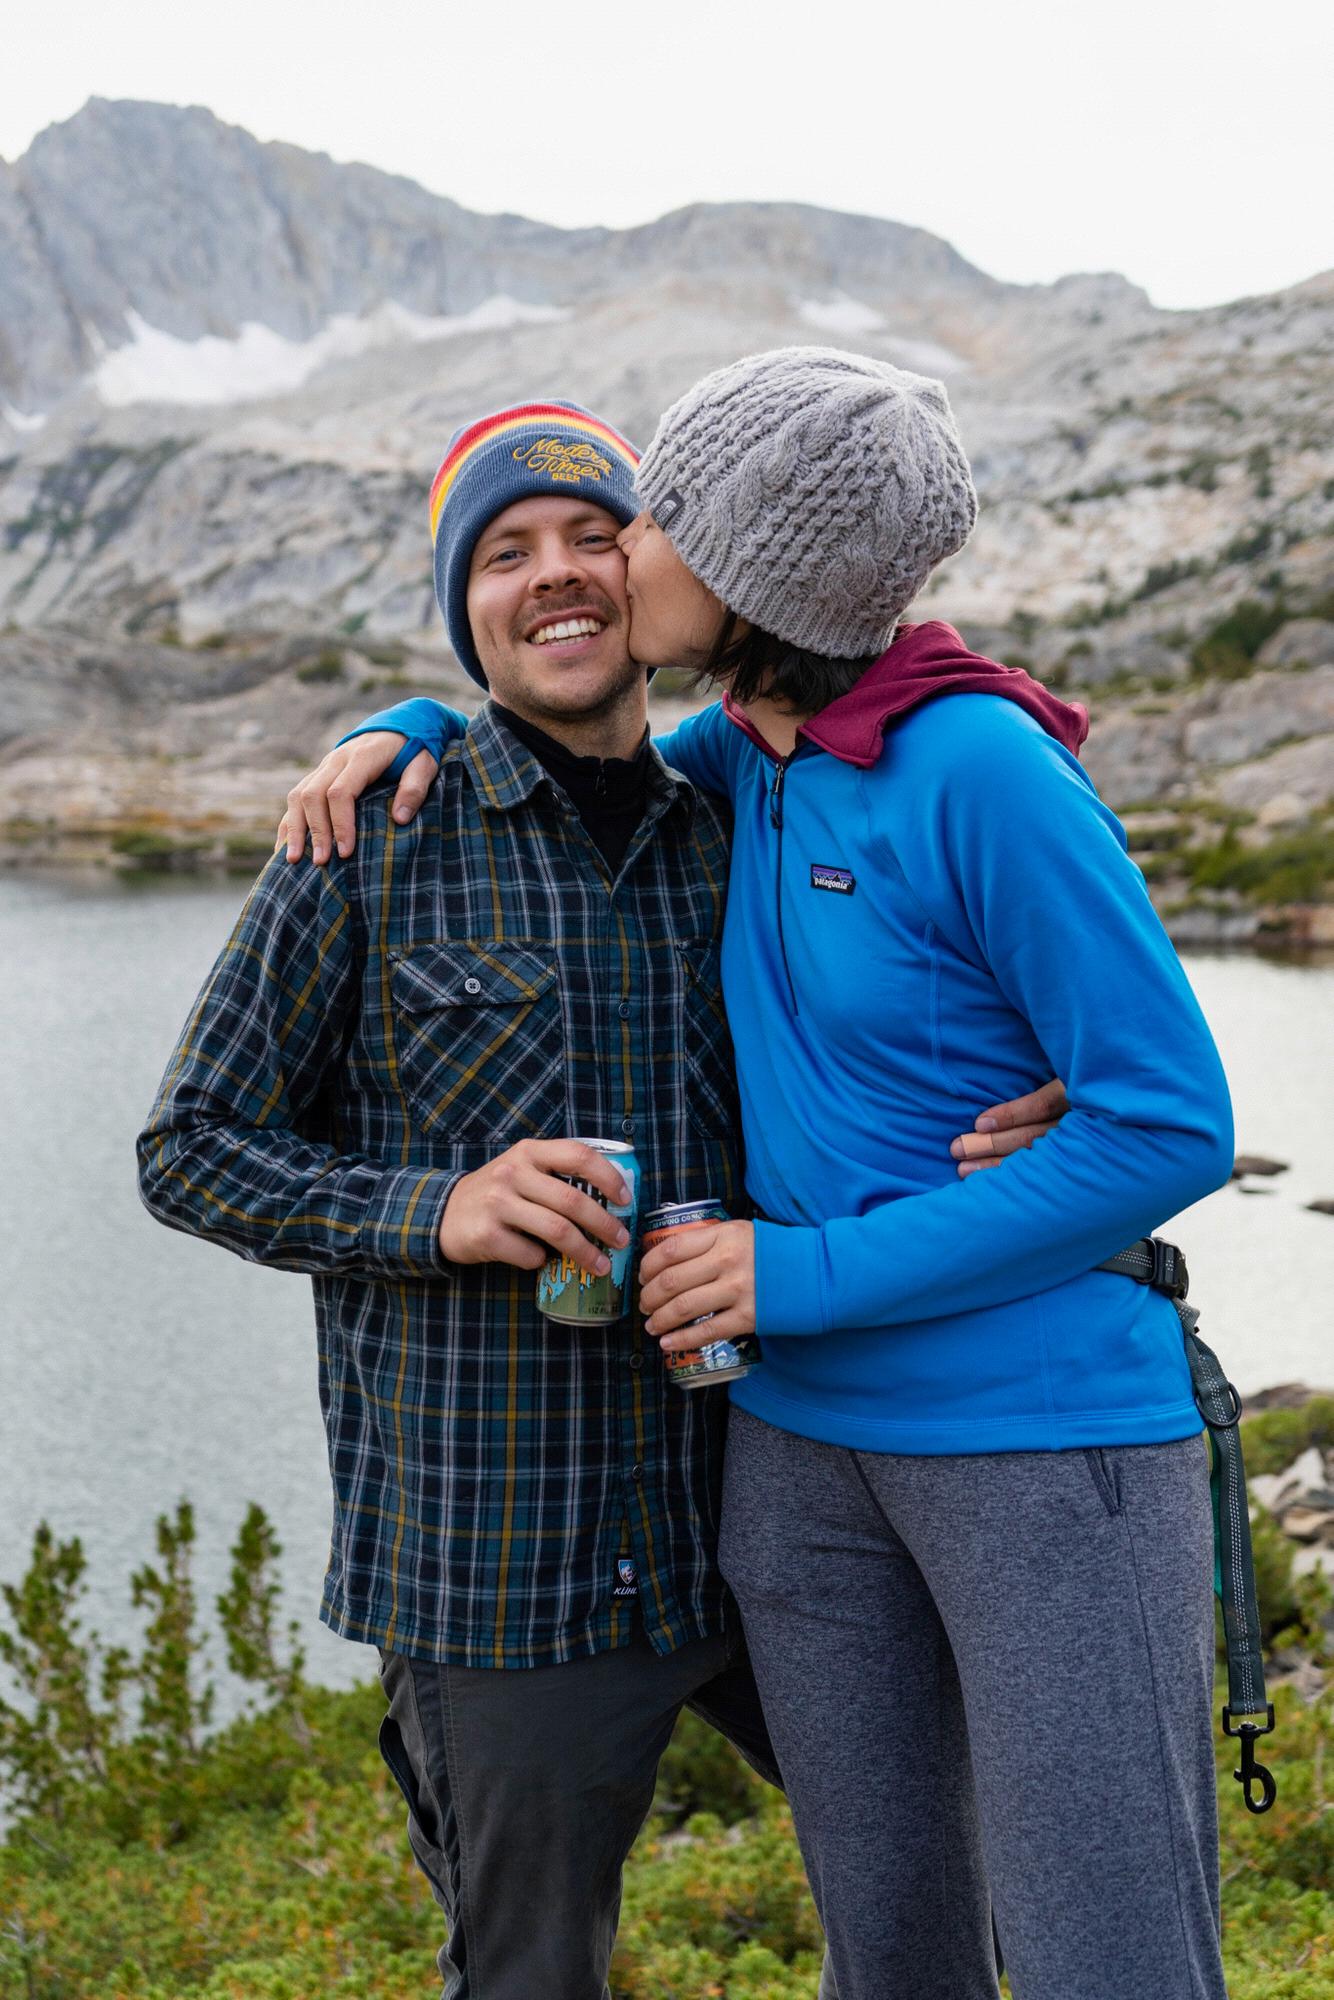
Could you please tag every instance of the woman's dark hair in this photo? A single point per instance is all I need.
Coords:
(757, 663)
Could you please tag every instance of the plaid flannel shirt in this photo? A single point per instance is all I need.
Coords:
(373, 1030)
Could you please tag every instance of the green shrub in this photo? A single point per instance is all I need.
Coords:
(1228, 651)
(1292, 868)
(291, 1875)
(246, 853)
(1272, 1439)
(326, 666)
(1245, 548)
(156, 851)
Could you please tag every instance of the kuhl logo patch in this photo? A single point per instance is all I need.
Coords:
(627, 1578)
(566, 460)
(841, 880)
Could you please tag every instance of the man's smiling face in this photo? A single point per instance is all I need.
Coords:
(547, 608)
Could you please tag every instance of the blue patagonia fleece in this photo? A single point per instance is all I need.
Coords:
(942, 927)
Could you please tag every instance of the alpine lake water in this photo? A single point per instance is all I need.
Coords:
(138, 1366)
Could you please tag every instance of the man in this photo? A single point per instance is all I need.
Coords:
(377, 1086)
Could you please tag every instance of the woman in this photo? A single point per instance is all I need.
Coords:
(967, 1515)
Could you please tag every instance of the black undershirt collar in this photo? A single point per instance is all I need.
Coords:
(608, 793)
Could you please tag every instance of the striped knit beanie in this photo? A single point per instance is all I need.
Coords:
(535, 448)
(813, 491)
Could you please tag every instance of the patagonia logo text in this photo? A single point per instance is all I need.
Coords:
(566, 460)
(841, 880)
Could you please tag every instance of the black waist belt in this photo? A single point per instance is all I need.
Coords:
(1246, 1714)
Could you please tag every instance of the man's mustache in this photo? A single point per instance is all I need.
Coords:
(591, 602)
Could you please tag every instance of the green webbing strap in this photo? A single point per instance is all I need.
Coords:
(1247, 1714)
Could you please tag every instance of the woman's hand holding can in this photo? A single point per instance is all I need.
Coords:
(700, 1275)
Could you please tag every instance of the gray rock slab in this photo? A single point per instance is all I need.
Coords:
(1298, 772)
(1247, 718)
(1302, 641)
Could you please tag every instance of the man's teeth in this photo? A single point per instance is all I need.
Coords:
(570, 628)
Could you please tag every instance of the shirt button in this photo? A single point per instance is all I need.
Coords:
(636, 1472)
(636, 1361)
(627, 1126)
(624, 1010)
(472, 985)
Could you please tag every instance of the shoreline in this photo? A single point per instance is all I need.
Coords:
(154, 848)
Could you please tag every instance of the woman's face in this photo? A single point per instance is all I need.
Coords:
(674, 618)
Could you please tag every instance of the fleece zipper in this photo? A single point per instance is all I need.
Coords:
(776, 822)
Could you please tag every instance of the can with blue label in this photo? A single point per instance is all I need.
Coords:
(721, 1360)
(590, 1298)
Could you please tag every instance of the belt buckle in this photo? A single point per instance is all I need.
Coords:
(1169, 1269)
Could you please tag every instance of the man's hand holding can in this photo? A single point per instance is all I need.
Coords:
(524, 1204)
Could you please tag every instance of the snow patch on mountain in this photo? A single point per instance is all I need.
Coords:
(157, 367)
(840, 314)
(19, 421)
(847, 318)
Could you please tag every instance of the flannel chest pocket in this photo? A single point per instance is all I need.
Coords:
(481, 1048)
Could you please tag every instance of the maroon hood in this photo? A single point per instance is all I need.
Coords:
(923, 662)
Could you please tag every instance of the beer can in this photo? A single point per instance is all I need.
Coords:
(590, 1298)
(721, 1360)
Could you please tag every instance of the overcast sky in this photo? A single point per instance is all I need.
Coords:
(1185, 143)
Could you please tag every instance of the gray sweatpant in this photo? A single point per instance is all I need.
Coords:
(990, 1670)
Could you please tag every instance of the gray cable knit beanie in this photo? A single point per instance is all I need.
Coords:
(813, 491)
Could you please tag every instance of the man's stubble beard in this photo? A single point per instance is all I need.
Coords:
(545, 704)
(543, 709)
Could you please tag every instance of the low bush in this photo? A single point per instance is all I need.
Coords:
(1295, 867)
(326, 666)
(1228, 651)
(269, 1861)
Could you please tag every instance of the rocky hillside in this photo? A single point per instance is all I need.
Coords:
(162, 756)
(228, 370)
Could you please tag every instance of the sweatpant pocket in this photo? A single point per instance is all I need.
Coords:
(1102, 1470)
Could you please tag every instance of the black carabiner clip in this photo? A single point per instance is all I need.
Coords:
(1252, 1772)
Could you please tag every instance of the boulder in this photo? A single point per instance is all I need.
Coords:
(1298, 1482)
(1309, 1524)
(1302, 771)
(1246, 718)
(1283, 1396)
(1301, 642)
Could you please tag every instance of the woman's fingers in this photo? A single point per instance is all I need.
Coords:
(1006, 1128)
(307, 813)
(684, 1246)
(681, 1283)
(413, 786)
(661, 1301)
(1039, 1107)
(728, 1324)
(323, 804)
(976, 1151)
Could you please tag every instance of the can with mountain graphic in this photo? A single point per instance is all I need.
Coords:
(577, 1297)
